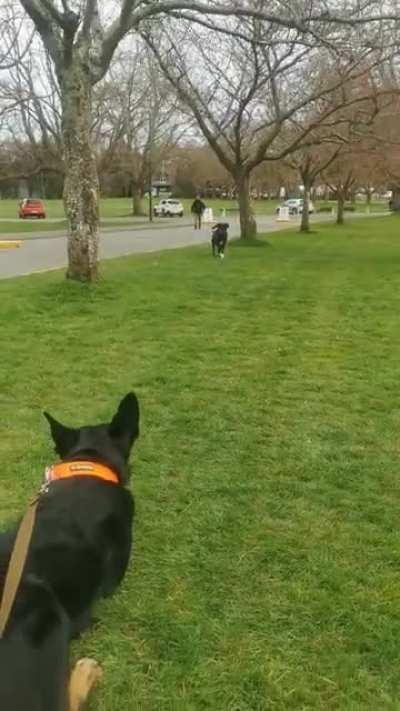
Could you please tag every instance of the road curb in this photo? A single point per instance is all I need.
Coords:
(10, 244)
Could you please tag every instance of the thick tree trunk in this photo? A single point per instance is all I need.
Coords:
(137, 204)
(81, 187)
(340, 209)
(305, 215)
(248, 224)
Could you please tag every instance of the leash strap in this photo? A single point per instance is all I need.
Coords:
(17, 562)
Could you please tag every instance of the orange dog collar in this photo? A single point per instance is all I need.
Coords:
(67, 470)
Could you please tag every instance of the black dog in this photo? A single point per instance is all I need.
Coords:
(79, 551)
(219, 238)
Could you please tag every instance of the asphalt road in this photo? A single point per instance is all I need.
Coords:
(44, 251)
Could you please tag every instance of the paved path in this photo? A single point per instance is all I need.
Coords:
(43, 251)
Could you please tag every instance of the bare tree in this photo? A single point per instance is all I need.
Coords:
(14, 47)
(81, 38)
(140, 120)
(259, 101)
(357, 137)
(198, 170)
(381, 161)
(13, 34)
(310, 162)
(346, 133)
(32, 119)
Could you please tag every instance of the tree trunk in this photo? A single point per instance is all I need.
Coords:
(248, 224)
(81, 187)
(340, 209)
(137, 205)
(305, 215)
(395, 199)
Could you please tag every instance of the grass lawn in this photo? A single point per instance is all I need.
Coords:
(118, 208)
(31, 227)
(122, 207)
(266, 566)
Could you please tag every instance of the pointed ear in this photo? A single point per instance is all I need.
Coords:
(65, 438)
(124, 427)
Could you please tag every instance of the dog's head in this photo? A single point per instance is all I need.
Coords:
(110, 443)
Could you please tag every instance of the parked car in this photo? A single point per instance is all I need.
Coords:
(295, 206)
(31, 208)
(168, 208)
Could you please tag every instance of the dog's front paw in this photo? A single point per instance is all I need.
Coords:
(86, 673)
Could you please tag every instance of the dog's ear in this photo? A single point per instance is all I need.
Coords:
(65, 438)
(124, 427)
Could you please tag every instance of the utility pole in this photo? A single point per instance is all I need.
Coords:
(153, 100)
(150, 187)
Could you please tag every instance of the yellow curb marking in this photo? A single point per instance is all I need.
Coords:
(8, 244)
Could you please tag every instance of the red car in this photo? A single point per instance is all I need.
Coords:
(32, 208)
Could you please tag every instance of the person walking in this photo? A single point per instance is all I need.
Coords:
(197, 210)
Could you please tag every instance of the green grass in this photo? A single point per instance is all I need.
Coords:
(266, 566)
(122, 207)
(32, 229)
(28, 227)
(260, 207)
(360, 206)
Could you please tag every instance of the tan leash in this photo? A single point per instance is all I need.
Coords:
(17, 563)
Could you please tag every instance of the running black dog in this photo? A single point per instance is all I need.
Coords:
(219, 238)
(79, 552)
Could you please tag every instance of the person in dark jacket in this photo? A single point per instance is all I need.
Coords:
(197, 210)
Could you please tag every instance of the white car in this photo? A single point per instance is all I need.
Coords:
(295, 206)
(168, 208)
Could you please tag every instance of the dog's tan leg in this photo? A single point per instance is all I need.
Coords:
(84, 676)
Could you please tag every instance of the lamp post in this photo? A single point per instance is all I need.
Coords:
(150, 188)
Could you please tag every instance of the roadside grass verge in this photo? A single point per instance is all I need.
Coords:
(33, 229)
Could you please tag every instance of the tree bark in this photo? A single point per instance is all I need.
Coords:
(137, 204)
(81, 187)
(340, 209)
(305, 215)
(248, 224)
(395, 198)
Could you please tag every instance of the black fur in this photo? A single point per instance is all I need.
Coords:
(79, 552)
(219, 238)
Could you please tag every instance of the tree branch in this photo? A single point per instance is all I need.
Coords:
(187, 98)
(91, 20)
(44, 23)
